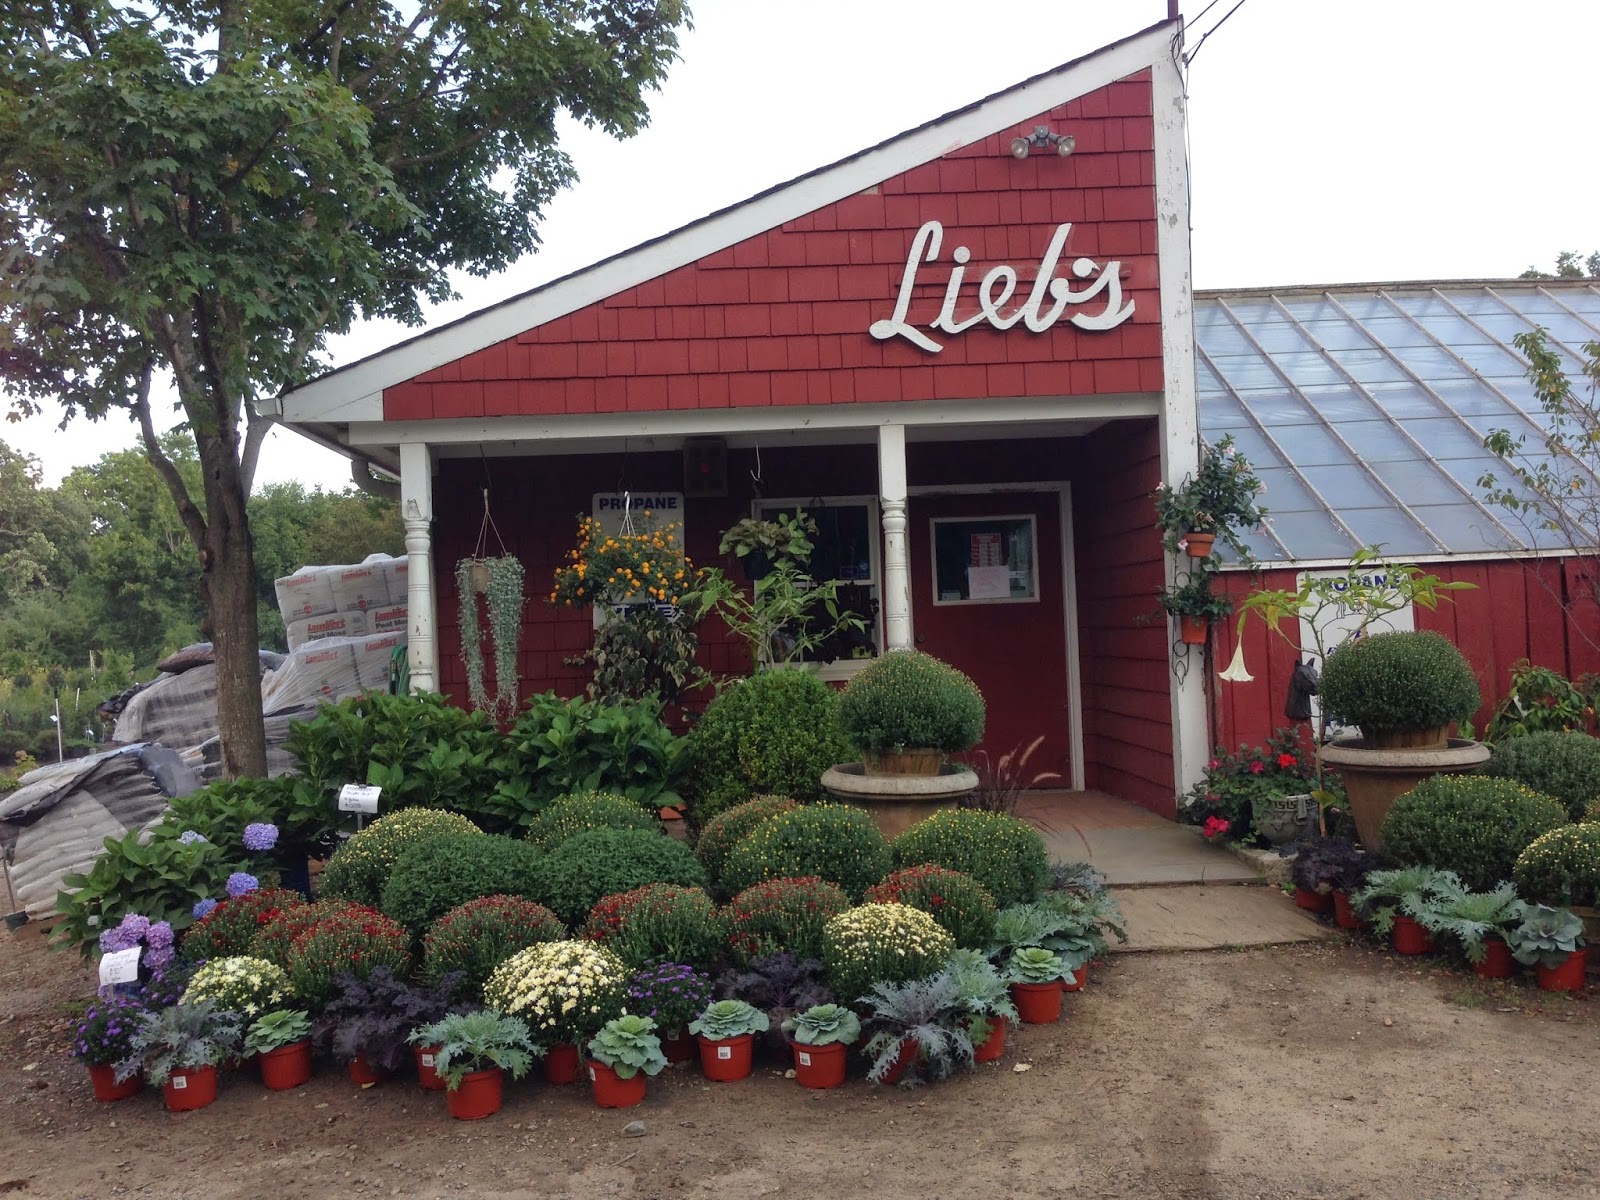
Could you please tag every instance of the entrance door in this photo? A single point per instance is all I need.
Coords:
(987, 597)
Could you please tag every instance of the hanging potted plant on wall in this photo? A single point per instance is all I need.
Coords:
(499, 581)
(1217, 501)
(1195, 606)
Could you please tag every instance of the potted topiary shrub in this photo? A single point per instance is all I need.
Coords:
(1550, 940)
(907, 710)
(1404, 691)
(726, 1030)
(178, 1049)
(821, 1036)
(475, 1050)
(281, 1042)
(622, 1056)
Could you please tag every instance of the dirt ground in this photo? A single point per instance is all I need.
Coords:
(1330, 1070)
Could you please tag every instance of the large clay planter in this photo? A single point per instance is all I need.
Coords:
(727, 1060)
(478, 1096)
(1497, 961)
(994, 1045)
(106, 1088)
(287, 1066)
(611, 1091)
(1568, 977)
(1375, 778)
(561, 1063)
(898, 801)
(1038, 1003)
(902, 762)
(427, 1076)
(1410, 937)
(194, 1088)
(820, 1066)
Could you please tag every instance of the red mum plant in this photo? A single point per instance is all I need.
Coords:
(352, 942)
(959, 903)
(657, 923)
(230, 927)
(474, 938)
(782, 914)
(274, 937)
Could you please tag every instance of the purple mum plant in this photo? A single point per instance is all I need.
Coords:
(104, 1035)
(670, 994)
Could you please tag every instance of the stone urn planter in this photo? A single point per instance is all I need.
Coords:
(1375, 777)
(897, 802)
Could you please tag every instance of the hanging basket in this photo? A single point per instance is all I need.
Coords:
(1192, 630)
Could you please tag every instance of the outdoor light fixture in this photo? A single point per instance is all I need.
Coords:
(1042, 139)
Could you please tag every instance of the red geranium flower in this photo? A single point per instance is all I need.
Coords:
(1257, 767)
(1287, 760)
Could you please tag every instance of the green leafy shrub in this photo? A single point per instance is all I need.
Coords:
(774, 733)
(474, 938)
(230, 928)
(360, 869)
(782, 915)
(1395, 682)
(349, 941)
(568, 815)
(1562, 867)
(1472, 825)
(440, 873)
(601, 862)
(910, 700)
(1565, 765)
(724, 830)
(1003, 854)
(659, 923)
(275, 938)
(958, 902)
(882, 943)
(220, 811)
(835, 842)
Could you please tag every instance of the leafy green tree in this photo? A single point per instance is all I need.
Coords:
(197, 195)
(41, 531)
(1569, 265)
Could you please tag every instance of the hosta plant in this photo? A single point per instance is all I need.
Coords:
(373, 1018)
(628, 1044)
(882, 942)
(1035, 964)
(477, 1041)
(1546, 937)
(248, 986)
(565, 991)
(181, 1038)
(724, 1019)
(1472, 917)
(927, 1012)
(823, 1025)
(275, 1030)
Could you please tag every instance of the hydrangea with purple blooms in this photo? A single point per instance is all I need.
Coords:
(671, 994)
(104, 1035)
(202, 908)
(260, 836)
(131, 931)
(241, 882)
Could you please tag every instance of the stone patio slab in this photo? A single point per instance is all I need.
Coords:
(1210, 918)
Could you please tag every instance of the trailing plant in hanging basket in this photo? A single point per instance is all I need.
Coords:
(500, 581)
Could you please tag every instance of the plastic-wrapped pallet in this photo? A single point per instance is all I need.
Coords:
(312, 674)
(391, 619)
(176, 710)
(396, 574)
(361, 588)
(373, 656)
(306, 593)
(329, 625)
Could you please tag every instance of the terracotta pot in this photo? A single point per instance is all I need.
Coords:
(478, 1096)
(902, 1063)
(364, 1073)
(1317, 902)
(1038, 1003)
(1192, 630)
(1410, 937)
(1198, 545)
(820, 1066)
(561, 1063)
(679, 1047)
(612, 1092)
(1375, 777)
(902, 762)
(1568, 977)
(426, 1075)
(1079, 978)
(1343, 915)
(994, 1045)
(728, 1059)
(106, 1087)
(1497, 961)
(287, 1066)
(195, 1088)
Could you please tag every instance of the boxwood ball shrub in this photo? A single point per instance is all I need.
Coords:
(230, 927)
(1003, 854)
(276, 934)
(882, 943)
(958, 902)
(572, 814)
(836, 842)
(435, 875)
(726, 828)
(350, 941)
(601, 862)
(910, 700)
(659, 923)
(772, 734)
(359, 869)
(1470, 824)
(782, 915)
(476, 937)
(1394, 682)
(1565, 765)
(1561, 868)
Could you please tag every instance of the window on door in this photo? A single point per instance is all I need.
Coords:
(846, 551)
(985, 560)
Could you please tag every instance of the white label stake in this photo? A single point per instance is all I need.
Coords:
(359, 798)
(120, 966)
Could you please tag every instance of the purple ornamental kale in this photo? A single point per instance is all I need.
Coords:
(260, 836)
(240, 883)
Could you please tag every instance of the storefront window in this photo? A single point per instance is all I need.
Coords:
(845, 550)
(984, 560)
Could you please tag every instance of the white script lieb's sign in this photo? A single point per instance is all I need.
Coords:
(1046, 301)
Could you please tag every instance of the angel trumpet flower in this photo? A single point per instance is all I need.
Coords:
(1235, 672)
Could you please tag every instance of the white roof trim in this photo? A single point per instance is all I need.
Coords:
(355, 393)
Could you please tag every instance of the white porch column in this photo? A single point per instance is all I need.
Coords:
(896, 555)
(416, 511)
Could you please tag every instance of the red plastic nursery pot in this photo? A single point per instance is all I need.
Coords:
(426, 1075)
(613, 1092)
(1497, 961)
(478, 1096)
(287, 1066)
(106, 1087)
(728, 1059)
(1343, 915)
(1038, 1003)
(819, 1066)
(1317, 902)
(561, 1063)
(364, 1073)
(1079, 978)
(1192, 630)
(902, 1063)
(993, 1046)
(1410, 937)
(1568, 977)
(679, 1047)
(194, 1088)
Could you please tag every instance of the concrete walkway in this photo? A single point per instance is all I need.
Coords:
(1211, 918)
(1131, 845)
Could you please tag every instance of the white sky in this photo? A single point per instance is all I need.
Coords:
(1353, 141)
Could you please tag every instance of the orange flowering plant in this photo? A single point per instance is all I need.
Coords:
(639, 564)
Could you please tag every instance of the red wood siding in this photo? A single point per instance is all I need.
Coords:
(782, 318)
(1539, 609)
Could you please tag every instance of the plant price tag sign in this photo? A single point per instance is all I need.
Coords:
(120, 966)
(359, 798)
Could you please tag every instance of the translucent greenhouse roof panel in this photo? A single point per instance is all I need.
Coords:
(1365, 408)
